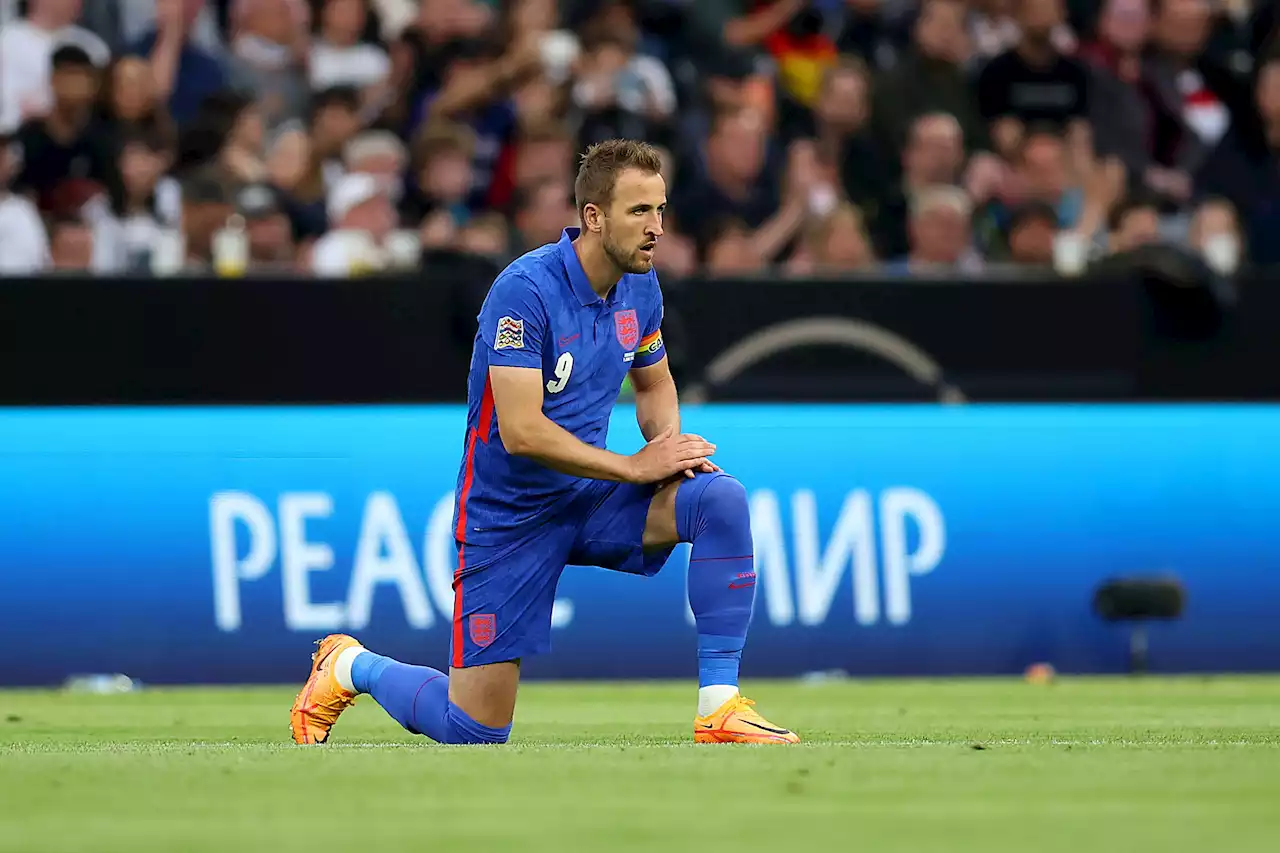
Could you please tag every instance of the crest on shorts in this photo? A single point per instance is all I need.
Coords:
(484, 628)
(510, 334)
(627, 327)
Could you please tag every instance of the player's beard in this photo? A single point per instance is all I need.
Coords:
(627, 261)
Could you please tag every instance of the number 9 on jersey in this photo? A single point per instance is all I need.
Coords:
(564, 367)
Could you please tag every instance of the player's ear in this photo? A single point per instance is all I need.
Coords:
(591, 218)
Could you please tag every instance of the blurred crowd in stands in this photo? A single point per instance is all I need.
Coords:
(341, 137)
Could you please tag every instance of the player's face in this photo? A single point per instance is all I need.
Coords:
(631, 229)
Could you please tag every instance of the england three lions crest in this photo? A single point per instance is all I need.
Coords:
(484, 629)
(627, 327)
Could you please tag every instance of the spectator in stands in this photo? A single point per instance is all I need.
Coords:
(340, 58)
(270, 46)
(271, 245)
(184, 72)
(26, 48)
(994, 30)
(1191, 98)
(128, 99)
(71, 245)
(732, 179)
(728, 82)
(207, 204)
(24, 245)
(443, 176)
(335, 121)
(714, 27)
(129, 21)
(543, 211)
(424, 48)
(1034, 83)
(991, 28)
(288, 159)
(1032, 230)
(487, 235)
(231, 124)
(835, 242)
(69, 155)
(152, 202)
(872, 30)
(361, 216)
(619, 93)
(838, 120)
(1118, 114)
(730, 249)
(298, 179)
(1233, 37)
(439, 231)
(930, 78)
(773, 140)
(535, 100)
(1245, 168)
(1043, 175)
(475, 89)
(1215, 235)
(545, 151)
(848, 154)
(933, 156)
(939, 234)
(379, 153)
(1134, 222)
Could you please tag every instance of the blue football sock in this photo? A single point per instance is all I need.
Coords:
(417, 697)
(712, 513)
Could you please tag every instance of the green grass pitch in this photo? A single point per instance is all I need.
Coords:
(1163, 765)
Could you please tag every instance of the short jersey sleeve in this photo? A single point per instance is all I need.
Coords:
(513, 323)
(651, 349)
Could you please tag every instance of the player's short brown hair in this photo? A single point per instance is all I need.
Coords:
(603, 162)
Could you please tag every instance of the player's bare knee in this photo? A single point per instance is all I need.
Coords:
(660, 523)
(486, 693)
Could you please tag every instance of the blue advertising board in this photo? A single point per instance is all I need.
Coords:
(216, 544)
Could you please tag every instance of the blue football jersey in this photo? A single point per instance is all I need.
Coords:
(541, 313)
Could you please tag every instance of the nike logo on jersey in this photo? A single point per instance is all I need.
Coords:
(568, 339)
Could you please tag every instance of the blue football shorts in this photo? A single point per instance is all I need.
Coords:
(503, 594)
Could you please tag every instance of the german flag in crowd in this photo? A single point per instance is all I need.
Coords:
(802, 60)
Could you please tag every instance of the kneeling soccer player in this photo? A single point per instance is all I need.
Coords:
(560, 330)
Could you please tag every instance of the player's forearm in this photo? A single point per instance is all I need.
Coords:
(549, 444)
(658, 407)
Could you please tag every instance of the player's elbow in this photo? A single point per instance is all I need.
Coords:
(516, 444)
(519, 438)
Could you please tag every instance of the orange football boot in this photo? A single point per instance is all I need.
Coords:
(322, 698)
(736, 721)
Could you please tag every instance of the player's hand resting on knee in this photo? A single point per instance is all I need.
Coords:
(669, 455)
(705, 468)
